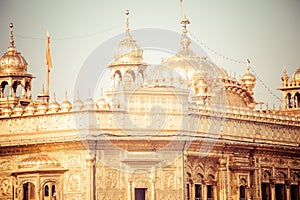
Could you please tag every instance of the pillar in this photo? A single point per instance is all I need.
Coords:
(91, 191)
(204, 191)
(272, 185)
(153, 189)
(287, 189)
(129, 194)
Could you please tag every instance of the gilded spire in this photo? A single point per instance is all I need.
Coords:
(248, 65)
(284, 77)
(127, 21)
(184, 22)
(11, 25)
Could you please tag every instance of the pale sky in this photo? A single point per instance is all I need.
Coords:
(266, 32)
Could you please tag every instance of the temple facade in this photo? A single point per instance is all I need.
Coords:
(180, 130)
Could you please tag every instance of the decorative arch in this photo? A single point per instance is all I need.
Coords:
(288, 100)
(297, 100)
(266, 175)
(117, 77)
(4, 89)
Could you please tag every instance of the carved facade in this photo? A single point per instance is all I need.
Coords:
(181, 130)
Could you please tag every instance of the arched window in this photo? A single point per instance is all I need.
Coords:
(297, 100)
(198, 192)
(4, 89)
(53, 191)
(288, 100)
(46, 191)
(242, 193)
(28, 191)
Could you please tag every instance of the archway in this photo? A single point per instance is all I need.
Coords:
(29, 191)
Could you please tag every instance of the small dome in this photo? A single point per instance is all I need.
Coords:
(54, 106)
(102, 103)
(39, 161)
(30, 109)
(248, 76)
(284, 77)
(41, 108)
(296, 76)
(7, 110)
(18, 110)
(66, 105)
(128, 51)
(77, 105)
(89, 104)
(12, 62)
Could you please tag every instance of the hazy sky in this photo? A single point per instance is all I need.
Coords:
(266, 32)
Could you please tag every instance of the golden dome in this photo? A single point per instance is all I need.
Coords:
(54, 106)
(41, 108)
(128, 51)
(39, 161)
(296, 75)
(89, 104)
(12, 62)
(18, 110)
(284, 77)
(7, 110)
(248, 76)
(102, 102)
(30, 109)
(66, 105)
(248, 80)
(77, 104)
(187, 63)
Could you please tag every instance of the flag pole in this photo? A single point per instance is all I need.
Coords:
(45, 94)
(49, 65)
(47, 84)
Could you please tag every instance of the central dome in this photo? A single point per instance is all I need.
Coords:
(296, 76)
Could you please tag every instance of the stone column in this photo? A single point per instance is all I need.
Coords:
(222, 180)
(287, 191)
(153, 189)
(272, 185)
(129, 190)
(90, 162)
(204, 191)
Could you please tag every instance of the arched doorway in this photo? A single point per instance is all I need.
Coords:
(29, 191)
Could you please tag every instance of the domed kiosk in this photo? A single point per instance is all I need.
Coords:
(15, 82)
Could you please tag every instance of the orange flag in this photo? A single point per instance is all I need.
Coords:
(48, 56)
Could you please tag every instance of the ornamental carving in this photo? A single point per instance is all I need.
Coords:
(5, 187)
(73, 183)
(266, 175)
(169, 180)
(111, 179)
(169, 197)
(5, 165)
(280, 176)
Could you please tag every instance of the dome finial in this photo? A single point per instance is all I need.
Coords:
(127, 21)
(184, 23)
(11, 25)
(248, 65)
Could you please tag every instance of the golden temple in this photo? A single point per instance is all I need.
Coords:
(183, 129)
